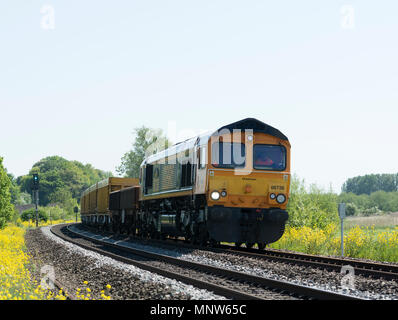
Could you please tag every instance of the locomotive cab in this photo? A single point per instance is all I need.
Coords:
(248, 183)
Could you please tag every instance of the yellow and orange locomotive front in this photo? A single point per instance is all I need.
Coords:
(247, 202)
(248, 187)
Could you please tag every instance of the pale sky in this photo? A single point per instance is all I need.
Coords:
(76, 78)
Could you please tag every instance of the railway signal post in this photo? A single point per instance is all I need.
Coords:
(76, 210)
(342, 216)
(36, 195)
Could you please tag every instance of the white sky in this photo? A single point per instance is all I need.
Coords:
(326, 77)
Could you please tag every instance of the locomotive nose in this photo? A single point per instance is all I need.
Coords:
(251, 191)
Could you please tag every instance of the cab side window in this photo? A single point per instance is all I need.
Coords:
(186, 175)
(202, 158)
(148, 177)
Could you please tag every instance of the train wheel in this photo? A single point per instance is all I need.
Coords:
(249, 245)
(188, 236)
(204, 240)
(261, 245)
(238, 244)
(203, 236)
(154, 233)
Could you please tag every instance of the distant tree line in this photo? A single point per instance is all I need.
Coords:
(370, 183)
(61, 184)
(61, 181)
(365, 205)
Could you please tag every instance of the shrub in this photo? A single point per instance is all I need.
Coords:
(31, 215)
(372, 204)
(351, 209)
(371, 211)
(57, 213)
(314, 209)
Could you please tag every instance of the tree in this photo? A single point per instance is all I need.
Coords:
(6, 208)
(18, 197)
(371, 183)
(64, 198)
(147, 142)
(14, 188)
(57, 173)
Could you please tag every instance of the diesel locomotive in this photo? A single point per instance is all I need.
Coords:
(231, 185)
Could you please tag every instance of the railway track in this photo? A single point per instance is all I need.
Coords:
(231, 284)
(365, 268)
(60, 286)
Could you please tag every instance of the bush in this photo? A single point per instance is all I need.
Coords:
(379, 201)
(314, 209)
(351, 209)
(371, 211)
(57, 213)
(31, 215)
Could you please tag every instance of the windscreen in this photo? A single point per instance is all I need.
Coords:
(269, 157)
(228, 155)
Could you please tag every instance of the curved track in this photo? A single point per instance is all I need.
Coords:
(365, 268)
(231, 284)
(372, 269)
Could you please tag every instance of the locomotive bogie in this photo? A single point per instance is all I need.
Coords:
(246, 224)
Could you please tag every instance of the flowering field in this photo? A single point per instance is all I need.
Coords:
(359, 242)
(16, 282)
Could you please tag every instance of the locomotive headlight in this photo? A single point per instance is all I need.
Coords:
(215, 195)
(281, 198)
(272, 196)
(223, 193)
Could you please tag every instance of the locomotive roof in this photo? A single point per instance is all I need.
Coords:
(256, 126)
(248, 123)
(177, 148)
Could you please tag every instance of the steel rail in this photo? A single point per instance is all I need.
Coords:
(269, 284)
(217, 289)
(373, 269)
(364, 268)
